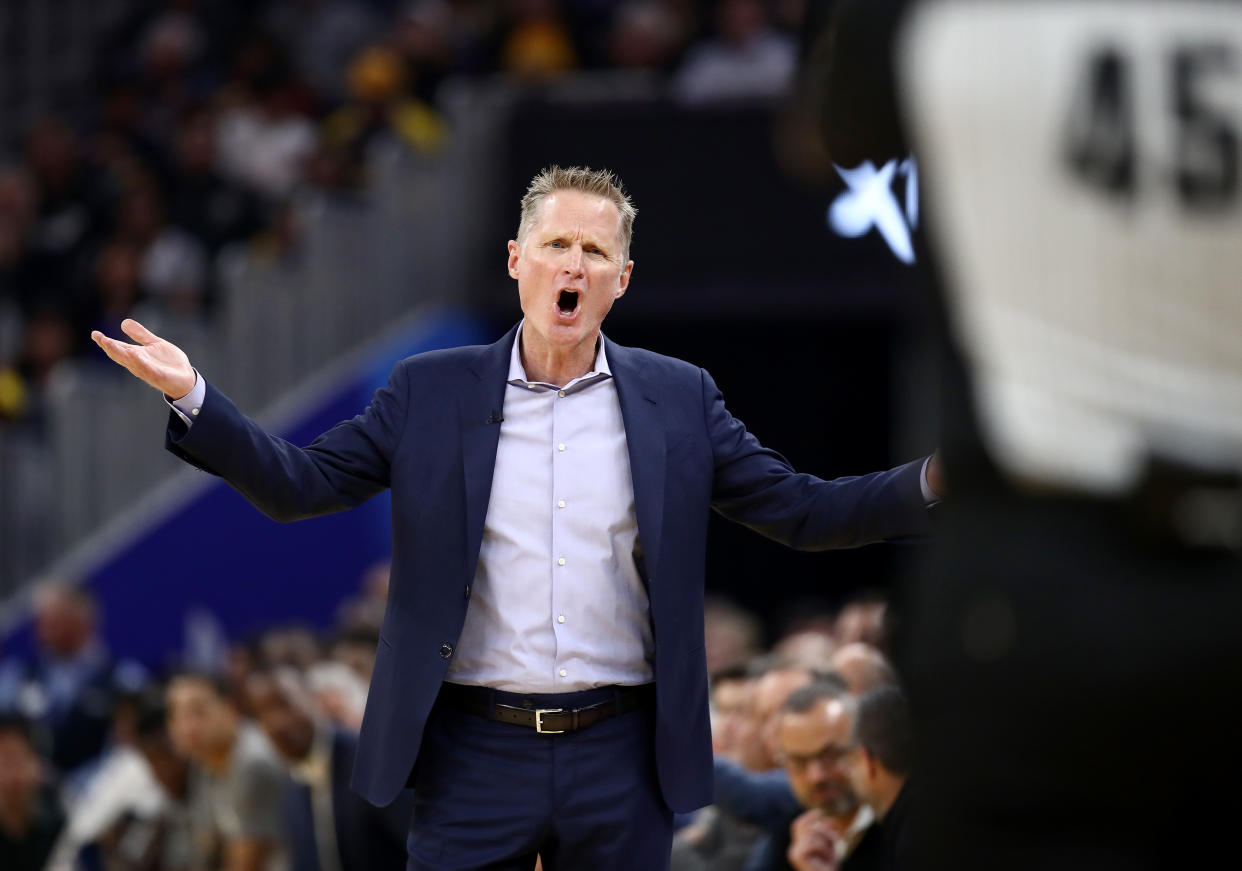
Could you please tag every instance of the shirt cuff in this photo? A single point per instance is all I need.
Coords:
(188, 406)
(930, 496)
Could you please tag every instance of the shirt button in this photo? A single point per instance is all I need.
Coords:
(563, 672)
(193, 411)
(561, 393)
(561, 561)
(560, 504)
(446, 650)
(560, 618)
(561, 446)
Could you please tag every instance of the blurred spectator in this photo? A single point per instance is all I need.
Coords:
(18, 203)
(645, 35)
(322, 36)
(132, 813)
(117, 287)
(236, 782)
(746, 59)
(339, 693)
(48, 340)
(241, 661)
(812, 648)
(68, 689)
(879, 768)
(425, 36)
(378, 104)
(173, 264)
(862, 667)
(265, 140)
(537, 44)
(777, 680)
(773, 799)
(365, 610)
(732, 635)
(816, 738)
(202, 201)
(69, 209)
(292, 646)
(732, 693)
(355, 648)
(862, 619)
(330, 828)
(169, 47)
(717, 839)
(30, 814)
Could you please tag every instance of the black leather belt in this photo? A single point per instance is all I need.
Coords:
(526, 710)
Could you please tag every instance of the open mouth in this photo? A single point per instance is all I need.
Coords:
(567, 302)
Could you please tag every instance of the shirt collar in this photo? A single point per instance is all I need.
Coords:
(517, 372)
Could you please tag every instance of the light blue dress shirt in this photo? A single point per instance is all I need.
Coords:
(557, 603)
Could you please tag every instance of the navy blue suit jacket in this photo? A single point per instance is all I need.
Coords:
(431, 435)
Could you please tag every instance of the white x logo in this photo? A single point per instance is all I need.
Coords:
(870, 202)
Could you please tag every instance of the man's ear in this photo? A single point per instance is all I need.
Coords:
(624, 282)
(515, 257)
(873, 767)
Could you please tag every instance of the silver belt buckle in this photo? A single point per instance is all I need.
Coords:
(539, 721)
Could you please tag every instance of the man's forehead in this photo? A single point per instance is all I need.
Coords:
(566, 210)
(186, 689)
(825, 723)
(775, 686)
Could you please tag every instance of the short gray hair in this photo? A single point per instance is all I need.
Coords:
(597, 182)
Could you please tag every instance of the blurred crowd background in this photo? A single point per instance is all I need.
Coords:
(277, 184)
(244, 763)
(200, 121)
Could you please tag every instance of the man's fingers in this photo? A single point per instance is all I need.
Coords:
(123, 354)
(138, 332)
(114, 349)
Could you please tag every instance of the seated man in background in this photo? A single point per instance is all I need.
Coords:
(237, 780)
(878, 765)
(329, 827)
(816, 729)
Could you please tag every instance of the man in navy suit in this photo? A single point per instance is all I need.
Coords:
(540, 678)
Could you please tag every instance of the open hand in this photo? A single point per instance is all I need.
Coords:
(161, 364)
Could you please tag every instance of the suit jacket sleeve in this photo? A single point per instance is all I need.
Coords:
(342, 468)
(764, 798)
(758, 488)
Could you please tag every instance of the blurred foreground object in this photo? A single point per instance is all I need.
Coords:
(1076, 616)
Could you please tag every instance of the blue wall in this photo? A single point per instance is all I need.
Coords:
(219, 555)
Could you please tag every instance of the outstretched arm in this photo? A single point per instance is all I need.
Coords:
(757, 487)
(342, 468)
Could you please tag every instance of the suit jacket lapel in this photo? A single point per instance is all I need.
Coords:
(640, 396)
(480, 407)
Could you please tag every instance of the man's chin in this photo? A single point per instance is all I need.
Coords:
(835, 804)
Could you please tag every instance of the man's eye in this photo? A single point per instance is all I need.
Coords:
(555, 245)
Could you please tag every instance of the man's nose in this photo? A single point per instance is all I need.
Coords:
(573, 264)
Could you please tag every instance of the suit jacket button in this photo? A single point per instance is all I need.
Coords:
(446, 650)
(467, 591)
